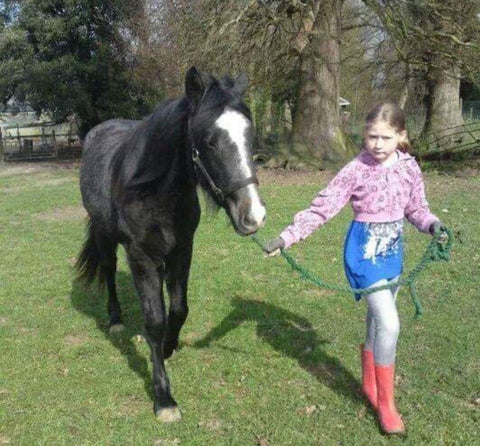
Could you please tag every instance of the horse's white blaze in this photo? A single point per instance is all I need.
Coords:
(257, 210)
(235, 124)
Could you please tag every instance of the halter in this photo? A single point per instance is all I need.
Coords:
(221, 193)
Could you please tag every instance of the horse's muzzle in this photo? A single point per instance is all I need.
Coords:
(247, 210)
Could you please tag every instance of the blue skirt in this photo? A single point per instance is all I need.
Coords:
(373, 251)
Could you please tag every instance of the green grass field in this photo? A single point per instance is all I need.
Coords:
(265, 358)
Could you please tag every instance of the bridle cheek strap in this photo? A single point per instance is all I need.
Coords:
(221, 194)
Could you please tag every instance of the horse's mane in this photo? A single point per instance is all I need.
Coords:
(148, 154)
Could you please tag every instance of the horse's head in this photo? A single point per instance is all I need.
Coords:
(221, 136)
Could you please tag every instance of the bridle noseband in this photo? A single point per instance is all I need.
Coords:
(221, 193)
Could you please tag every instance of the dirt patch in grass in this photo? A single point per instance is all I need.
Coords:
(7, 169)
(69, 213)
(212, 424)
(131, 407)
(41, 180)
(293, 177)
(75, 340)
(53, 181)
(21, 169)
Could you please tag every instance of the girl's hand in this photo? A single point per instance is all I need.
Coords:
(272, 247)
(436, 227)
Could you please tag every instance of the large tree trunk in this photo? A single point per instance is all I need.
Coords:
(444, 111)
(316, 128)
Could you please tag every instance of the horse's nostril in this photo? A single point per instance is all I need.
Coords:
(250, 221)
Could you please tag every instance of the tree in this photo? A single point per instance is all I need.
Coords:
(75, 57)
(291, 50)
(439, 41)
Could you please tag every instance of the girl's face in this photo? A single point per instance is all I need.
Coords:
(381, 140)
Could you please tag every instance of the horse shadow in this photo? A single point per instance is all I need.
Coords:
(293, 336)
(289, 334)
(92, 302)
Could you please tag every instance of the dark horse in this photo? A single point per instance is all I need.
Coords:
(138, 181)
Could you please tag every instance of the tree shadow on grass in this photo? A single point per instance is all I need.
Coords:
(92, 302)
(293, 336)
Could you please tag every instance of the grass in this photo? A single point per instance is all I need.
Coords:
(266, 358)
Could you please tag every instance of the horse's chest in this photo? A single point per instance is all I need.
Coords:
(159, 225)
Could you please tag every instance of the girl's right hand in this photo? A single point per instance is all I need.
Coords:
(272, 247)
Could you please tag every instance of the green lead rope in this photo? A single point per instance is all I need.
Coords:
(438, 249)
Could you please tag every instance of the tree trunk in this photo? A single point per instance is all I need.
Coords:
(444, 112)
(316, 128)
(405, 93)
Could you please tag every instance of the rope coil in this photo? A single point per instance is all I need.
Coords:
(438, 249)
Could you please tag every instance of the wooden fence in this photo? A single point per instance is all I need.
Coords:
(34, 142)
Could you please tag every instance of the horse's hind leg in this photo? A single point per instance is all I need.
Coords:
(178, 268)
(108, 268)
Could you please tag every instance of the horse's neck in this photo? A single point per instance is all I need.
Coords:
(161, 150)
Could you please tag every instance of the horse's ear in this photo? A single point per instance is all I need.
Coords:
(241, 84)
(195, 85)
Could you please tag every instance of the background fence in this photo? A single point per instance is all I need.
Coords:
(34, 142)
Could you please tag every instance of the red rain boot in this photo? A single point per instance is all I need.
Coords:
(369, 383)
(390, 420)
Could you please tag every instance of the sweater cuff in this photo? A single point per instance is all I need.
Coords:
(428, 223)
(288, 238)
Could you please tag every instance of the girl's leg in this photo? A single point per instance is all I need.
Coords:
(387, 327)
(369, 384)
(370, 335)
(370, 338)
(384, 324)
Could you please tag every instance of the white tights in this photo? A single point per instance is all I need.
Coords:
(383, 324)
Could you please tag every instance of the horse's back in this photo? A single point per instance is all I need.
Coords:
(99, 148)
(107, 136)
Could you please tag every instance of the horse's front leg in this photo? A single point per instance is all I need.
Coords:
(178, 268)
(148, 278)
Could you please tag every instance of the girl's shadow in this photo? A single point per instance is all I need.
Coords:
(291, 335)
(93, 303)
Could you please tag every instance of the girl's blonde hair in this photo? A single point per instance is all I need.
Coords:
(394, 116)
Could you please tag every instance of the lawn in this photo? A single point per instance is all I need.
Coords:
(265, 358)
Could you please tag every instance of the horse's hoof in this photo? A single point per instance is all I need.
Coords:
(169, 414)
(116, 328)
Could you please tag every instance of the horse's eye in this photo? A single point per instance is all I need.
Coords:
(211, 146)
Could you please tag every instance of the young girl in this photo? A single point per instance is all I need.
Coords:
(384, 184)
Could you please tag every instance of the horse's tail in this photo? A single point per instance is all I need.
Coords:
(88, 261)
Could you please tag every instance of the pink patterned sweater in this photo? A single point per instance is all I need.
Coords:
(377, 194)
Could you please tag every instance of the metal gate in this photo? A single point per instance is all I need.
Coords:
(18, 143)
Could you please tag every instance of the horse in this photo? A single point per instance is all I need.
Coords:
(138, 181)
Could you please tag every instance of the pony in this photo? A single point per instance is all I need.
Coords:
(138, 181)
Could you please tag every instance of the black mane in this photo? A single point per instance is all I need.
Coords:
(147, 155)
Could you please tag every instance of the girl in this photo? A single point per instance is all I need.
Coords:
(384, 184)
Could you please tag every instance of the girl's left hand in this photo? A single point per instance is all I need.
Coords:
(436, 227)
